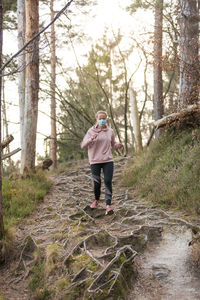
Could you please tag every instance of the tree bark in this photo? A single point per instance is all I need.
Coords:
(21, 66)
(53, 146)
(32, 85)
(158, 81)
(189, 62)
(135, 121)
(1, 198)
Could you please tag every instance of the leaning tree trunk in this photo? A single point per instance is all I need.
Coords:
(53, 146)
(21, 66)
(135, 121)
(32, 85)
(158, 81)
(1, 200)
(189, 62)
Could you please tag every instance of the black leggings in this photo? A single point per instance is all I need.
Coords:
(108, 175)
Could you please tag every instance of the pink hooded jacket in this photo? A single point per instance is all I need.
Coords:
(99, 149)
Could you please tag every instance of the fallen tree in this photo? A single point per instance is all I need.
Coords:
(10, 153)
(5, 143)
(188, 116)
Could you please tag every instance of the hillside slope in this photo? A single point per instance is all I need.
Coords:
(169, 172)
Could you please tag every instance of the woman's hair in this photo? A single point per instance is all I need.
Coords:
(101, 112)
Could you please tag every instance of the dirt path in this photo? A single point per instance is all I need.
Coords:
(139, 251)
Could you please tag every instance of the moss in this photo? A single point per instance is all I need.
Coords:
(55, 216)
(77, 262)
(42, 294)
(49, 208)
(75, 292)
(52, 258)
(76, 229)
(39, 255)
(62, 283)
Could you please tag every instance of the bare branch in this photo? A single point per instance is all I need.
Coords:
(11, 153)
(36, 35)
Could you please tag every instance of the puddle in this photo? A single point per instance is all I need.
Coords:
(164, 273)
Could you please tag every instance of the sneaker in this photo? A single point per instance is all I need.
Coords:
(109, 210)
(94, 204)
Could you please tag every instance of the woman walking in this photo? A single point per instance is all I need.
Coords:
(100, 140)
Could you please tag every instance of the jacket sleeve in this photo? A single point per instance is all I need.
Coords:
(87, 140)
(114, 144)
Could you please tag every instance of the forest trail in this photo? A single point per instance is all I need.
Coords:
(140, 252)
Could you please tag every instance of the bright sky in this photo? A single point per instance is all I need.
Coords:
(108, 13)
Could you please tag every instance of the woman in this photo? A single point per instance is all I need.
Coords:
(100, 139)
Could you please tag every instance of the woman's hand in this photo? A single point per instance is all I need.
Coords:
(119, 145)
(94, 136)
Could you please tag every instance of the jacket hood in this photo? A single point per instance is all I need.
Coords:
(96, 129)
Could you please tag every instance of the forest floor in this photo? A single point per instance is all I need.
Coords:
(66, 250)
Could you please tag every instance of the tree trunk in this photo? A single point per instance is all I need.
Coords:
(32, 85)
(4, 116)
(53, 146)
(135, 121)
(189, 63)
(126, 125)
(22, 74)
(1, 199)
(158, 82)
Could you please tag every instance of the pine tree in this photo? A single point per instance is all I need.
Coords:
(189, 51)
(158, 80)
(53, 146)
(32, 86)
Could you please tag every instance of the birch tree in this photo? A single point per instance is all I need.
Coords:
(158, 81)
(21, 66)
(1, 200)
(189, 43)
(53, 147)
(135, 121)
(32, 85)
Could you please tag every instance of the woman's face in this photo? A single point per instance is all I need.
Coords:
(101, 117)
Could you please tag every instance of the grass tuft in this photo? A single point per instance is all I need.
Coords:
(37, 283)
(22, 195)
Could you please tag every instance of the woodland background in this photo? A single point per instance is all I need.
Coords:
(137, 78)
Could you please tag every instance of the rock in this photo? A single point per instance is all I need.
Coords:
(152, 232)
(137, 241)
(160, 271)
